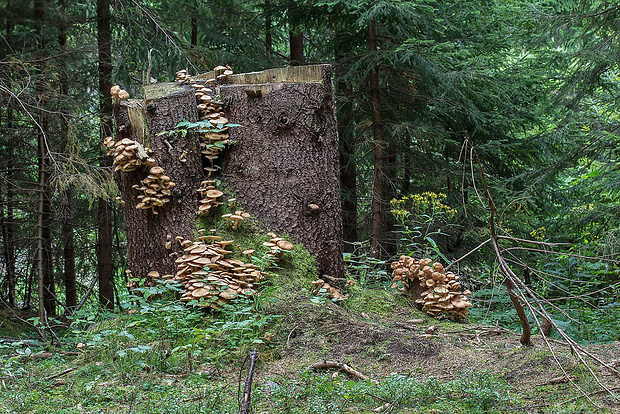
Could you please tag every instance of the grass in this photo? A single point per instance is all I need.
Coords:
(159, 356)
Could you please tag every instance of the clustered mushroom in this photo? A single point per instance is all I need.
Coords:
(155, 188)
(332, 292)
(277, 247)
(128, 154)
(443, 289)
(206, 272)
(235, 219)
(118, 94)
(209, 197)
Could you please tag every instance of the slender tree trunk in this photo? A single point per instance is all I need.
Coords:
(296, 41)
(9, 222)
(268, 41)
(376, 226)
(405, 186)
(194, 23)
(104, 217)
(348, 165)
(68, 248)
(47, 301)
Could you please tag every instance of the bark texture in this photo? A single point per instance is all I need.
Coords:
(285, 167)
(166, 105)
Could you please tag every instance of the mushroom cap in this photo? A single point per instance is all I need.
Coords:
(156, 170)
(153, 274)
(114, 90)
(123, 94)
(214, 193)
(285, 245)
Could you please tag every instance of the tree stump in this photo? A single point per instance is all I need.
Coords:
(285, 168)
(164, 106)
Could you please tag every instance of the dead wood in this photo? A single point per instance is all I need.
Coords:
(61, 373)
(245, 407)
(341, 366)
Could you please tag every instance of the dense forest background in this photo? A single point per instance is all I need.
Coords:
(431, 96)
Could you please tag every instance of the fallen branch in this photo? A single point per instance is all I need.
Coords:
(343, 367)
(61, 373)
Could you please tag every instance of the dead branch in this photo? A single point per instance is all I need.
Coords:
(343, 367)
(61, 373)
(522, 292)
(244, 407)
(467, 254)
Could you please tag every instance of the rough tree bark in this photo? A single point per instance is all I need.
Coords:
(285, 167)
(105, 268)
(166, 105)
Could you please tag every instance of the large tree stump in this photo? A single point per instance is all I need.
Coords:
(166, 105)
(284, 168)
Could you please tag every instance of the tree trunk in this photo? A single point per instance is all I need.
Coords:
(105, 268)
(9, 222)
(296, 42)
(284, 168)
(166, 105)
(193, 42)
(346, 138)
(377, 204)
(47, 290)
(68, 248)
(268, 41)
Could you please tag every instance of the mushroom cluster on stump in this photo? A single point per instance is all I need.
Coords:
(155, 188)
(211, 142)
(332, 292)
(118, 94)
(207, 272)
(129, 155)
(209, 196)
(277, 247)
(442, 294)
(235, 219)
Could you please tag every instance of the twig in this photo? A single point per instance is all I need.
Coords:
(343, 367)
(590, 394)
(467, 254)
(61, 373)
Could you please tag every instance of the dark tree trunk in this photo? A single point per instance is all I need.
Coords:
(268, 41)
(105, 268)
(193, 42)
(68, 248)
(378, 202)
(285, 168)
(9, 222)
(167, 104)
(348, 164)
(47, 289)
(405, 186)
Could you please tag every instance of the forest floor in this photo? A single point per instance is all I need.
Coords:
(422, 365)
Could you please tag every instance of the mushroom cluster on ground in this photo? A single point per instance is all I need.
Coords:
(320, 286)
(206, 272)
(156, 190)
(443, 295)
(129, 155)
(209, 196)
